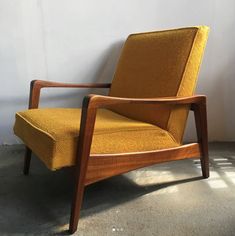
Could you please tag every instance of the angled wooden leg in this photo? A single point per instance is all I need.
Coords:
(84, 145)
(205, 165)
(204, 142)
(27, 160)
(202, 134)
(76, 203)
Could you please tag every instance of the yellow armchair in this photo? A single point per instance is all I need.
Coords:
(140, 123)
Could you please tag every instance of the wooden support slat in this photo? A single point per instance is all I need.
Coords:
(107, 165)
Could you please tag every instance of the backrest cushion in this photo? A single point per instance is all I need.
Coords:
(159, 64)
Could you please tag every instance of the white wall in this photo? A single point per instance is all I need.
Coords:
(80, 40)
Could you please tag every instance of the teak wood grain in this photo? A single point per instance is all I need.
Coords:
(104, 166)
(37, 85)
(92, 168)
(99, 101)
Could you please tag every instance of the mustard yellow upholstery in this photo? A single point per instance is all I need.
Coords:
(152, 65)
(159, 64)
(52, 134)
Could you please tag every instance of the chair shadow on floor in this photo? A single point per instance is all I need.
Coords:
(40, 203)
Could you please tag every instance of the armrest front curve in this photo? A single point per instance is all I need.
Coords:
(37, 85)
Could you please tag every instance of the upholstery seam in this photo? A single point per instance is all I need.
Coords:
(119, 131)
(185, 68)
(46, 161)
(99, 133)
(197, 74)
(172, 137)
(46, 133)
(168, 30)
(200, 62)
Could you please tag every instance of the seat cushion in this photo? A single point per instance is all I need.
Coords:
(52, 134)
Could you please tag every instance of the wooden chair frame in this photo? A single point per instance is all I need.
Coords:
(91, 168)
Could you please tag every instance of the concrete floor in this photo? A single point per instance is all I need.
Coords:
(167, 199)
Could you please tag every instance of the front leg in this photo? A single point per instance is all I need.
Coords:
(83, 153)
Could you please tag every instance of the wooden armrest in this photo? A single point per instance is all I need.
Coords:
(51, 84)
(98, 101)
(92, 102)
(37, 85)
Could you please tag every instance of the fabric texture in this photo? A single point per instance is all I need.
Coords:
(159, 64)
(52, 134)
(152, 65)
